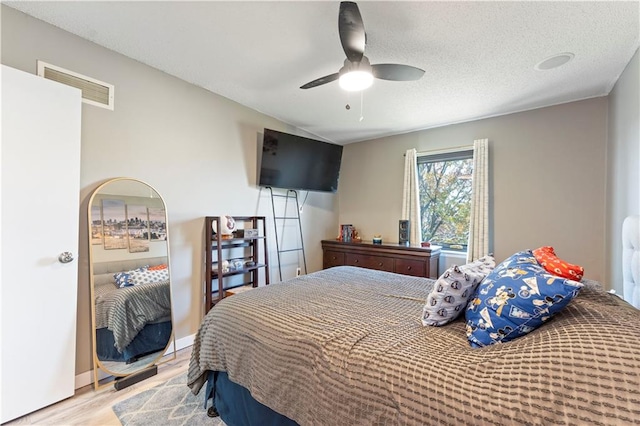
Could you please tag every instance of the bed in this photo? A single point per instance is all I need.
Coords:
(345, 346)
(134, 321)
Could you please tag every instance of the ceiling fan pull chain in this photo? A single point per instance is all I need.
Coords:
(361, 105)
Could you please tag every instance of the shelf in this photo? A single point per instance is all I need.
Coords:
(260, 237)
(218, 249)
(214, 294)
(234, 242)
(244, 270)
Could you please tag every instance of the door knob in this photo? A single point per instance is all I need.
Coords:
(65, 257)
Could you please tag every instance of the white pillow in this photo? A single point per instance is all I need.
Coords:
(453, 289)
(146, 276)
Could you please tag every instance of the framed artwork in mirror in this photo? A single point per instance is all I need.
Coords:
(114, 224)
(96, 225)
(157, 224)
(137, 228)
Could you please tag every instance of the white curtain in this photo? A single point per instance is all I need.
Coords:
(479, 222)
(411, 196)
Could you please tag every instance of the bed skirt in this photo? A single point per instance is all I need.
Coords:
(237, 407)
(152, 338)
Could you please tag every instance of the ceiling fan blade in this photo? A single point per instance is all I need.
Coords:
(320, 81)
(351, 29)
(396, 72)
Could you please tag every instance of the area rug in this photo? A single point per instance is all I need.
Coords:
(168, 404)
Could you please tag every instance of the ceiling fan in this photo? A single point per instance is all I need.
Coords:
(357, 73)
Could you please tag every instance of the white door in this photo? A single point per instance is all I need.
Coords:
(39, 203)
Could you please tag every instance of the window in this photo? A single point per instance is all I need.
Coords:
(445, 198)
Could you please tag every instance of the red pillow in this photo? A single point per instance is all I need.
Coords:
(157, 267)
(547, 258)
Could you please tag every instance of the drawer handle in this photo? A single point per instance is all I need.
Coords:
(334, 258)
(408, 268)
(356, 261)
(380, 264)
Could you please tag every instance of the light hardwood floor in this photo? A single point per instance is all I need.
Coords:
(89, 407)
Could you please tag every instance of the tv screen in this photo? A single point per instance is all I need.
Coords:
(296, 162)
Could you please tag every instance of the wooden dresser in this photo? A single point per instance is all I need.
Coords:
(408, 260)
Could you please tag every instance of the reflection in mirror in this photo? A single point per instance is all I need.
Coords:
(130, 279)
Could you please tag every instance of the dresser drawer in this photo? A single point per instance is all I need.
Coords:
(417, 261)
(416, 268)
(370, 262)
(332, 258)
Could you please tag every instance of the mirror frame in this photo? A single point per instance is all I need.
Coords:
(163, 356)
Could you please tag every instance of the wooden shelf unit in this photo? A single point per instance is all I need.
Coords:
(398, 258)
(216, 246)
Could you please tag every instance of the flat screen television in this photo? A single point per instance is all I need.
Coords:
(296, 162)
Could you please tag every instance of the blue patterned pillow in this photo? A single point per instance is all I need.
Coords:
(125, 278)
(515, 299)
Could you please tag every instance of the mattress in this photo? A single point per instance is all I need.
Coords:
(346, 346)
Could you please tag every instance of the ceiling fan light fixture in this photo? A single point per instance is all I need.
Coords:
(355, 81)
(357, 73)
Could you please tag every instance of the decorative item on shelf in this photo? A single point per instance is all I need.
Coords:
(377, 239)
(227, 227)
(425, 244)
(344, 234)
(225, 266)
(246, 233)
(237, 264)
(348, 233)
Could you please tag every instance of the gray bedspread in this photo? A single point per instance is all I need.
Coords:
(345, 346)
(125, 311)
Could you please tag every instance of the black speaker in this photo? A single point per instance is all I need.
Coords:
(403, 232)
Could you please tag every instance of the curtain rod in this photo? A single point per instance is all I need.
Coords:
(443, 150)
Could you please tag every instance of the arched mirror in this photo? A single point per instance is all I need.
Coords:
(130, 278)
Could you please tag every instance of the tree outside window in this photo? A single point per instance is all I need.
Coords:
(445, 198)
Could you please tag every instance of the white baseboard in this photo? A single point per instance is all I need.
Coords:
(86, 378)
(185, 342)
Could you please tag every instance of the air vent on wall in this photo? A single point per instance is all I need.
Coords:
(94, 92)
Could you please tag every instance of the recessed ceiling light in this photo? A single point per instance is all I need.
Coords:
(554, 61)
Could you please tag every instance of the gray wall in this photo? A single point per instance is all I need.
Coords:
(198, 149)
(547, 180)
(623, 164)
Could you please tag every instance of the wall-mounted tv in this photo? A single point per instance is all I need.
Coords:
(296, 162)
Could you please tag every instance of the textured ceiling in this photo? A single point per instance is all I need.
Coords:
(479, 57)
